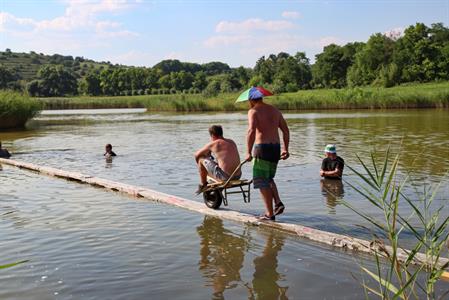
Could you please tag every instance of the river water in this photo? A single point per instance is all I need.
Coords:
(86, 243)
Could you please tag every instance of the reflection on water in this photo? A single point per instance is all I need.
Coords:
(333, 191)
(266, 274)
(108, 160)
(87, 243)
(222, 255)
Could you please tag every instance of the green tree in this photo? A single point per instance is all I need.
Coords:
(212, 89)
(331, 66)
(56, 81)
(377, 53)
(6, 76)
(420, 54)
(200, 81)
(90, 85)
(33, 88)
(165, 81)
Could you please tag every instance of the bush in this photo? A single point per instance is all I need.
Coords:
(17, 108)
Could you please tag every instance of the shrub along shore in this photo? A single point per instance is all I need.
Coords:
(428, 95)
(16, 109)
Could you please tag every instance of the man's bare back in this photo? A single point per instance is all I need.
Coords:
(264, 123)
(266, 119)
(226, 154)
(226, 160)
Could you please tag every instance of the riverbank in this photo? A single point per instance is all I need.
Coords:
(16, 109)
(429, 95)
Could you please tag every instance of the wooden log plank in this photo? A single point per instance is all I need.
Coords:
(320, 236)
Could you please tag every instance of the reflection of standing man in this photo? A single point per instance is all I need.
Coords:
(266, 277)
(222, 255)
(332, 166)
(263, 143)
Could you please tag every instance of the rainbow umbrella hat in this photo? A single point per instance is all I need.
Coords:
(256, 92)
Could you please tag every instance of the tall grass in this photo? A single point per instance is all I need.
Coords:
(431, 95)
(395, 277)
(16, 108)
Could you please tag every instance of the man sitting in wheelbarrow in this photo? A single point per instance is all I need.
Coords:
(217, 159)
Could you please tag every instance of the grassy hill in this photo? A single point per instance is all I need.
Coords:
(26, 65)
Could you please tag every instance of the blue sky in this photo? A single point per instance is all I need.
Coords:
(143, 32)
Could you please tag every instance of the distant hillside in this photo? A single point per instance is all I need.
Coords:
(420, 54)
(26, 65)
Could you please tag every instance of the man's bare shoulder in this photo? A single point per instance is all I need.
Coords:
(230, 141)
(273, 108)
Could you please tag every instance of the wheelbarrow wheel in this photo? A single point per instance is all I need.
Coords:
(213, 199)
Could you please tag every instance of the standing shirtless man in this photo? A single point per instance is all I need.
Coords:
(263, 143)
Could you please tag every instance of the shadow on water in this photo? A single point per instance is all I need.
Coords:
(222, 255)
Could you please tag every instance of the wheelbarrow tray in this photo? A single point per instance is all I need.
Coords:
(222, 184)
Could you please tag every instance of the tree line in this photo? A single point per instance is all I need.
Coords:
(420, 54)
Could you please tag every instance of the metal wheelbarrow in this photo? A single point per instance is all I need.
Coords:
(216, 192)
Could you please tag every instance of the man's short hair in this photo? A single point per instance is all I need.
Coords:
(108, 146)
(216, 130)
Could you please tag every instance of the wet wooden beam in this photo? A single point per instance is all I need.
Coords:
(319, 236)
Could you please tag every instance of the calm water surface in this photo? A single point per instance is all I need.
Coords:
(85, 243)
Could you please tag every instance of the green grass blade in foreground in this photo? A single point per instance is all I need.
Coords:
(386, 284)
(369, 172)
(363, 177)
(13, 264)
(365, 216)
(366, 194)
(410, 281)
(375, 166)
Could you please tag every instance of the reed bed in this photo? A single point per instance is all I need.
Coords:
(429, 95)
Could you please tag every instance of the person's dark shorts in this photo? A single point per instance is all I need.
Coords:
(266, 158)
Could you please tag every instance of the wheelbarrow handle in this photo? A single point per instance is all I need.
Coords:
(235, 171)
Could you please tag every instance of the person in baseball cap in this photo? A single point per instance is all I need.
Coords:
(332, 165)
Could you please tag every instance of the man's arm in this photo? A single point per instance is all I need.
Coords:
(335, 173)
(285, 136)
(322, 168)
(205, 151)
(251, 134)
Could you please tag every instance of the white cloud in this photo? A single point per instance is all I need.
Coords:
(9, 21)
(84, 25)
(79, 15)
(291, 14)
(133, 58)
(174, 55)
(395, 33)
(252, 25)
(327, 40)
(226, 40)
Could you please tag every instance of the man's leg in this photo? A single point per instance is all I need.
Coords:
(267, 196)
(202, 171)
(274, 189)
(278, 205)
